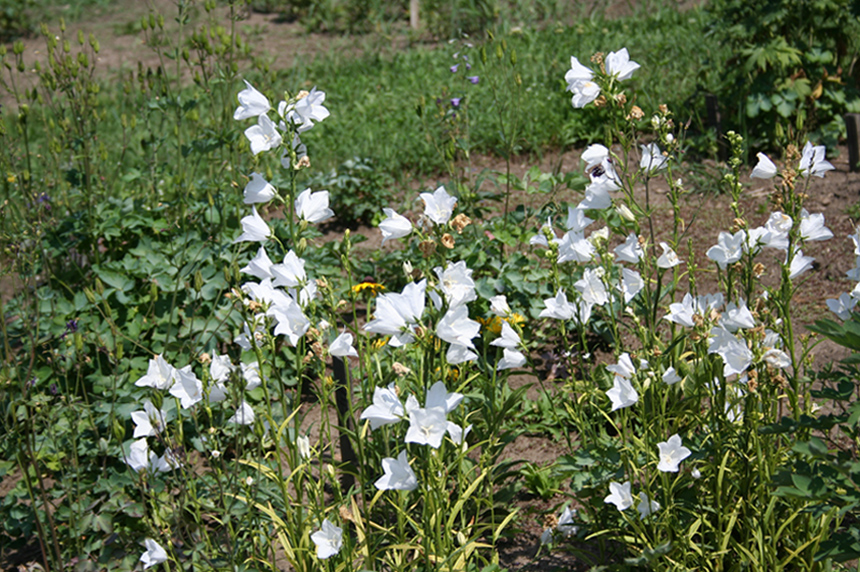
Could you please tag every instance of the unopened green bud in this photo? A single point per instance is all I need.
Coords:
(513, 57)
(118, 430)
(67, 47)
(518, 80)
(499, 51)
(161, 21)
(198, 281)
(83, 60)
(144, 23)
(152, 21)
(94, 44)
(153, 290)
(81, 37)
(100, 288)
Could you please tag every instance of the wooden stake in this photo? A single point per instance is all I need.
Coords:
(715, 123)
(852, 125)
(414, 23)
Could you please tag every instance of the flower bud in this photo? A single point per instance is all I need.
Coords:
(625, 213)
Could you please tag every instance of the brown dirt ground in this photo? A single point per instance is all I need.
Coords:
(705, 214)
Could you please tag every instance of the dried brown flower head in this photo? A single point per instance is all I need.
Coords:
(460, 222)
(427, 248)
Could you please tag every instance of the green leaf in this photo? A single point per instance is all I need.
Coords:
(113, 279)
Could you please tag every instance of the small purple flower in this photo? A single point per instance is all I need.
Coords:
(473, 79)
(455, 102)
(53, 389)
(32, 382)
(468, 66)
(72, 326)
(454, 68)
(44, 198)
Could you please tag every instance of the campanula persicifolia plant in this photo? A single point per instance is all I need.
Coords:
(224, 387)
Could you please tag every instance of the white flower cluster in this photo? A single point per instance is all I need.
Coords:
(580, 79)
(295, 117)
(427, 426)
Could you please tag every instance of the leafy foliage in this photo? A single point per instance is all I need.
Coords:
(363, 188)
(792, 67)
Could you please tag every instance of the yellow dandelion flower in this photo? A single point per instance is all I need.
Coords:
(373, 287)
(494, 324)
(514, 319)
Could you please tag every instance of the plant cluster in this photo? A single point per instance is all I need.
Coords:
(193, 378)
(792, 64)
